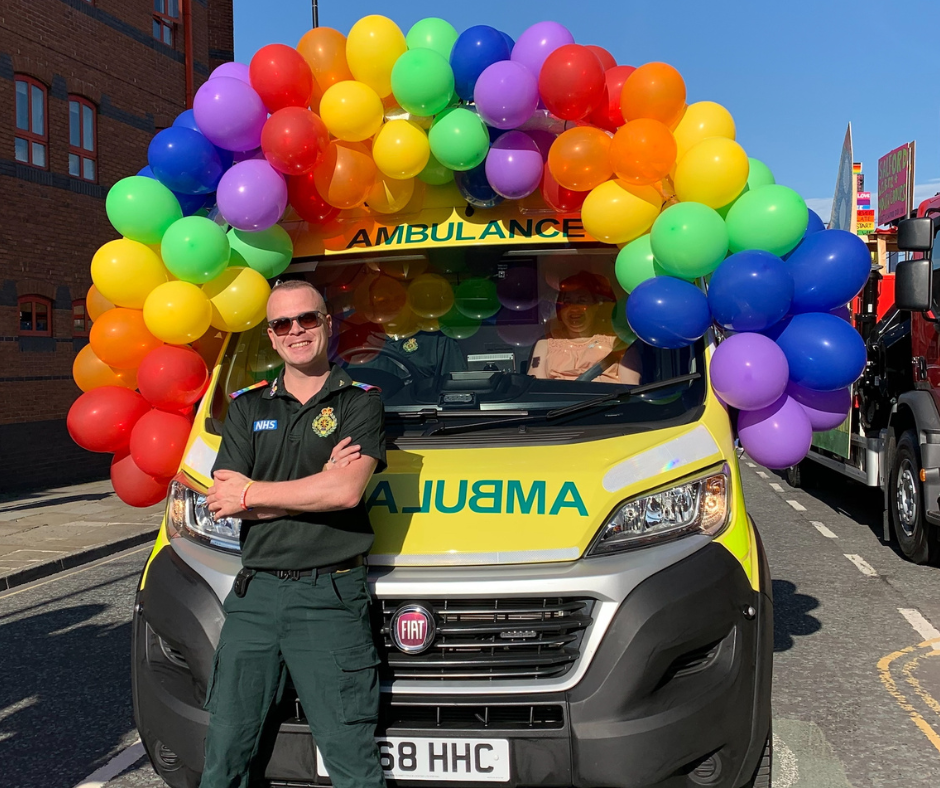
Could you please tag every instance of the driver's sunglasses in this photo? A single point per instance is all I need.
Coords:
(282, 325)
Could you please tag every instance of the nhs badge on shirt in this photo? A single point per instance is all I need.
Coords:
(265, 424)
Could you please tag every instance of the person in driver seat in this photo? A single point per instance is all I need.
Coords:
(582, 343)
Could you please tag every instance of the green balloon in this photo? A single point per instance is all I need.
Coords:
(758, 175)
(635, 264)
(459, 139)
(195, 249)
(689, 240)
(142, 209)
(435, 173)
(457, 325)
(434, 34)
(269, 252)
(772, 218)
(476, 298)
(422, 82)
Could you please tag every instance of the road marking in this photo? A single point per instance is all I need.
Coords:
(863, 566)
(12, 709)
(77, 570)
(884, 668)
(921, 625)
(776, 487)
(751, 465)
(824, 531)
(797, 505)
(762, 475)
(786, 770)
(123, 760)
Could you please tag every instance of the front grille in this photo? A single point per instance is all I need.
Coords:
(491, 639)
(508, 717)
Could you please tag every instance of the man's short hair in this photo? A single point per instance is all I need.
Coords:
(294, 284)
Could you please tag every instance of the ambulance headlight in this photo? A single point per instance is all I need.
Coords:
(696, 506)
(187, 515)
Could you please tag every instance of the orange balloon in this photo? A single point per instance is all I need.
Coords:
(579, 158)
(121, 339)
(345, 174)
(324, 49)
(96, 304)
(380, 298)
(656, 91)
(90, 372)
(643, 151)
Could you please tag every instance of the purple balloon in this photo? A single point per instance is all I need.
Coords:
(777, 436)
(252, 195)
(519, 289)
(538, 42)
(514, 165)
(543, 139)
(749, 371)
(234, 70)
(826, 409)
(230, 114)
(506, 94)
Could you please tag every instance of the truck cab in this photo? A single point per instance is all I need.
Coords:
(568, 589)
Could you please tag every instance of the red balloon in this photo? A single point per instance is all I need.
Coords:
(558, 198)
(132, 485)
(102, 419)
(571, 82)
(607, 59)
(306, 200)
(293, 140)
(158, 441)
(172, 377)
(281, 77)
(607, 114)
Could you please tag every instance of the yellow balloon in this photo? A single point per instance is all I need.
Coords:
(401, 149)
(430, 296)
(702, 120)
(177, 312)
(351, 111)
(713, 172)
(373, 45)
(403, 325)
(389, 195)
(238, 297)
(125, 272)
(615, 213)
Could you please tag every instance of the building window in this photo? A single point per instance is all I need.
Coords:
(166, 16)
(32, 134)
(83, 148)
(80, 320)
(35, 316)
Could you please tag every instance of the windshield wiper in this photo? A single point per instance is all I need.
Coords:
(614, 398)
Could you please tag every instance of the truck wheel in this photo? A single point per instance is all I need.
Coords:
(906, 501)
(761, 778)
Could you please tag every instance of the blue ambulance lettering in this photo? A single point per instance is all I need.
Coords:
(486, 496)
(265, 424)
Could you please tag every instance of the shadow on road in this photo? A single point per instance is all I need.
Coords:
(65, 694)
(792, 617)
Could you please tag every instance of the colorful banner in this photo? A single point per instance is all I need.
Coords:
(896, 184)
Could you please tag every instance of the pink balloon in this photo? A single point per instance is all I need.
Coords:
(777, 436)
(252, 195)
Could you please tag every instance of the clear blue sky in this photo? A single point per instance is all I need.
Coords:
(792, 73)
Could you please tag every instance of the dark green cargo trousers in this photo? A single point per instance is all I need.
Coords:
(317, 628)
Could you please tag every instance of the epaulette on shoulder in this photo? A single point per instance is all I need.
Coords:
(366, 386)
(260, 384)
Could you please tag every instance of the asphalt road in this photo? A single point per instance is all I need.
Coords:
(855, 692)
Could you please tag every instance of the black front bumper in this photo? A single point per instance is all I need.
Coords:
(680, 682)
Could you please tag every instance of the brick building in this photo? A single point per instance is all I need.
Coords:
(84, 85)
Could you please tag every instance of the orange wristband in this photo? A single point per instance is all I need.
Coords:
(244, 502)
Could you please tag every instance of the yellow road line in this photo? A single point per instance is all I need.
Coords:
(884, 668)
(69, 573)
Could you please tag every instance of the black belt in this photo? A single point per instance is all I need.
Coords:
(296, 574)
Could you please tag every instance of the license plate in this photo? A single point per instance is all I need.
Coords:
(479, 760)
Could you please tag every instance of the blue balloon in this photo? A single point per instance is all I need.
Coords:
(508, 39)
(829, 269)
(476, 189)
(815, 224)
(185, 161)
(189, 203)
(750, 291)
(475, 49)
(824, 352)
(667, 312)
(187, 120)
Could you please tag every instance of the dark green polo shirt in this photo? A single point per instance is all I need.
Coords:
(431, 354)
(270, 437)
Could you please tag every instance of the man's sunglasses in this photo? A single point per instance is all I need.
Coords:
(282, 325)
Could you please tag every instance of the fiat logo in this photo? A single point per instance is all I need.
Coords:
(412, 629)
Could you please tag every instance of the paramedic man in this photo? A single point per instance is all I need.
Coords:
(305, 607)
